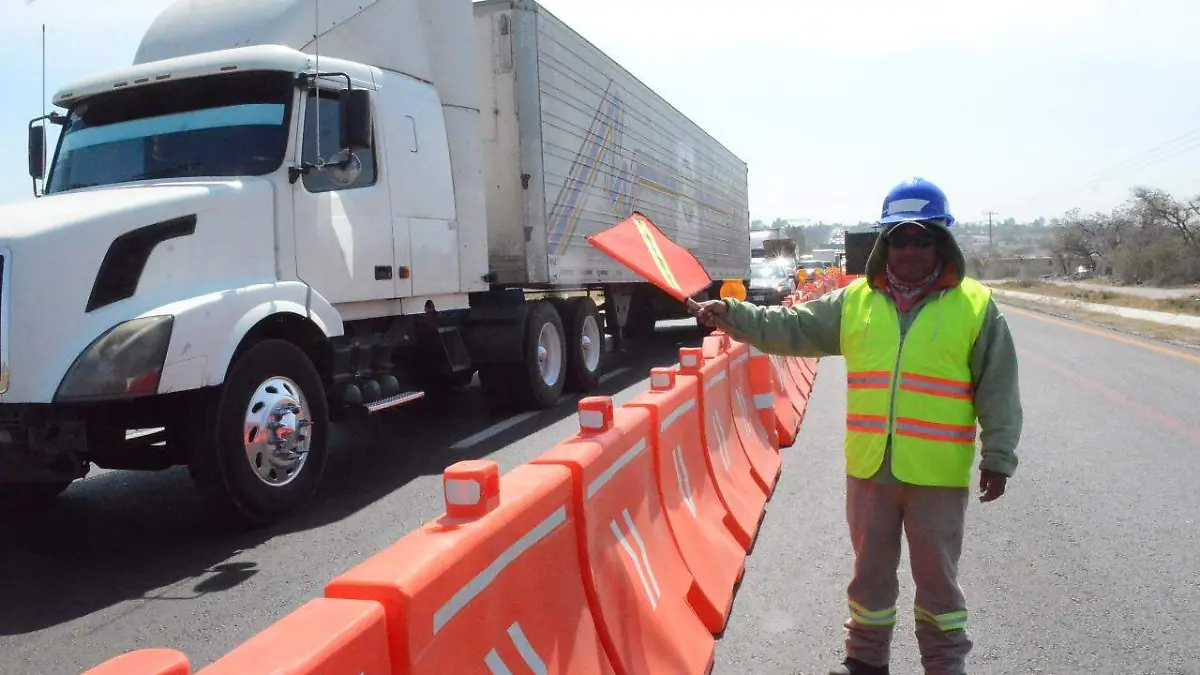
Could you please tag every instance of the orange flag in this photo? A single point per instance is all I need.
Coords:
(639, 245)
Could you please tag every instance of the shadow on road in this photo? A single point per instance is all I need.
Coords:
(123, 536)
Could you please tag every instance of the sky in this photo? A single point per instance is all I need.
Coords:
(1026, 108)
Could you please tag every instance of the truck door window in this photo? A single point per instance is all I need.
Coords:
(327, 180)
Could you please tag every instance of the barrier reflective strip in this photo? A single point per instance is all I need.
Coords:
(717, 379)
(496, 664)
(611, 471)
(526, 650)
(741, 359)
(764, 401)
(646, 574)
(684, 480)
(722, 449)
(475, 586)
(591, 419)
(674, 417)
(462, 492)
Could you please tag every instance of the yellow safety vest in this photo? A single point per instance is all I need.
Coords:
(917, 390)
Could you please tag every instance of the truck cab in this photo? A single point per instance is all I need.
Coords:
(251, 233)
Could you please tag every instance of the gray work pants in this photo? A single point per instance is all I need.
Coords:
(932, 518)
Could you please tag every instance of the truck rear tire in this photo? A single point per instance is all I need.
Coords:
(263, 446)
(537, 381)
(585, 343)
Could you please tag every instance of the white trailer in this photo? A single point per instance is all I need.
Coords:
(251, 232)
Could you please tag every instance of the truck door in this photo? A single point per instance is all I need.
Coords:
(425, 230)
(343, 220)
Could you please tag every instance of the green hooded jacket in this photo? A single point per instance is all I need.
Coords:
(813, 329)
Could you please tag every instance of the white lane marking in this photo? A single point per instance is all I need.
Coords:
(487, 433)
(608, 376)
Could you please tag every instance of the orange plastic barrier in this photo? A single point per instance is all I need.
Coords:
(801, 374)
(322, 637)
(813, 366)
(727, 461)
(639, 586)
(762, 389)
(787, 422)
(764, 458)
(145, 662)
(492, 586)
(796, 397)
(699, 522)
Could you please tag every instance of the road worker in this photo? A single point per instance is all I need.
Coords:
(927, 354)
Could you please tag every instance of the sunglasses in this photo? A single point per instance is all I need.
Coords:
(899, 241)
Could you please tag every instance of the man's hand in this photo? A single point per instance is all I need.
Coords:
(707, 312)
(991, 485)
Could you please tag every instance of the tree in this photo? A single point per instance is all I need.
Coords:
(1152, 237)
(1183, 217)
(798, 236)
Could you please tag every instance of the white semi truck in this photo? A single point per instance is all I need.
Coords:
(289, 212)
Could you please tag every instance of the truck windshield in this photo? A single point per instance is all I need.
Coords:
(233, 124)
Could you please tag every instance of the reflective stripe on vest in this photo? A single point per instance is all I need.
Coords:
(917, 390)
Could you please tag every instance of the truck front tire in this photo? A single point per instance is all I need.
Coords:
(262, 448)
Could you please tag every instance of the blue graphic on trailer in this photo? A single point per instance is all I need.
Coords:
(602, 156)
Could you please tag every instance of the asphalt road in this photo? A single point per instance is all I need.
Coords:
(1089, 564)
(125, 560)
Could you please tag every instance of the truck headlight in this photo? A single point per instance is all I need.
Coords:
(125, 361)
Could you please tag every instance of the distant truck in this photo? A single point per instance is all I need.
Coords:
(771, 243)
(826, 255)
(249, 233)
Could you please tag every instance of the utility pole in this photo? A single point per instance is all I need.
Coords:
(991, 244)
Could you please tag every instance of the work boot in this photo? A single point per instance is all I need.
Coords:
(856, 667)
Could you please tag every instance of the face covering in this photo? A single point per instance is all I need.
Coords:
(907, 294)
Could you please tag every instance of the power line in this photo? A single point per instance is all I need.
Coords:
(1155, 155)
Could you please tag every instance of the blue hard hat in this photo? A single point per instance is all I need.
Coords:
(915, 199)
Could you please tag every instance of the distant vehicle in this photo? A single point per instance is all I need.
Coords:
(772, 243)
(770, 282)
(810, 265)
(828, 255)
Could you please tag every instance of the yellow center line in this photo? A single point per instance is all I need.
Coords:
(1103, 334)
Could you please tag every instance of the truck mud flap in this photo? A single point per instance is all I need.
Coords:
(494, 329)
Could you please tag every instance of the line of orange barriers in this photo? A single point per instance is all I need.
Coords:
(619, 550)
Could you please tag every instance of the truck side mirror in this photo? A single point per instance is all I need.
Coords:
(355, 114)
(37, 151)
